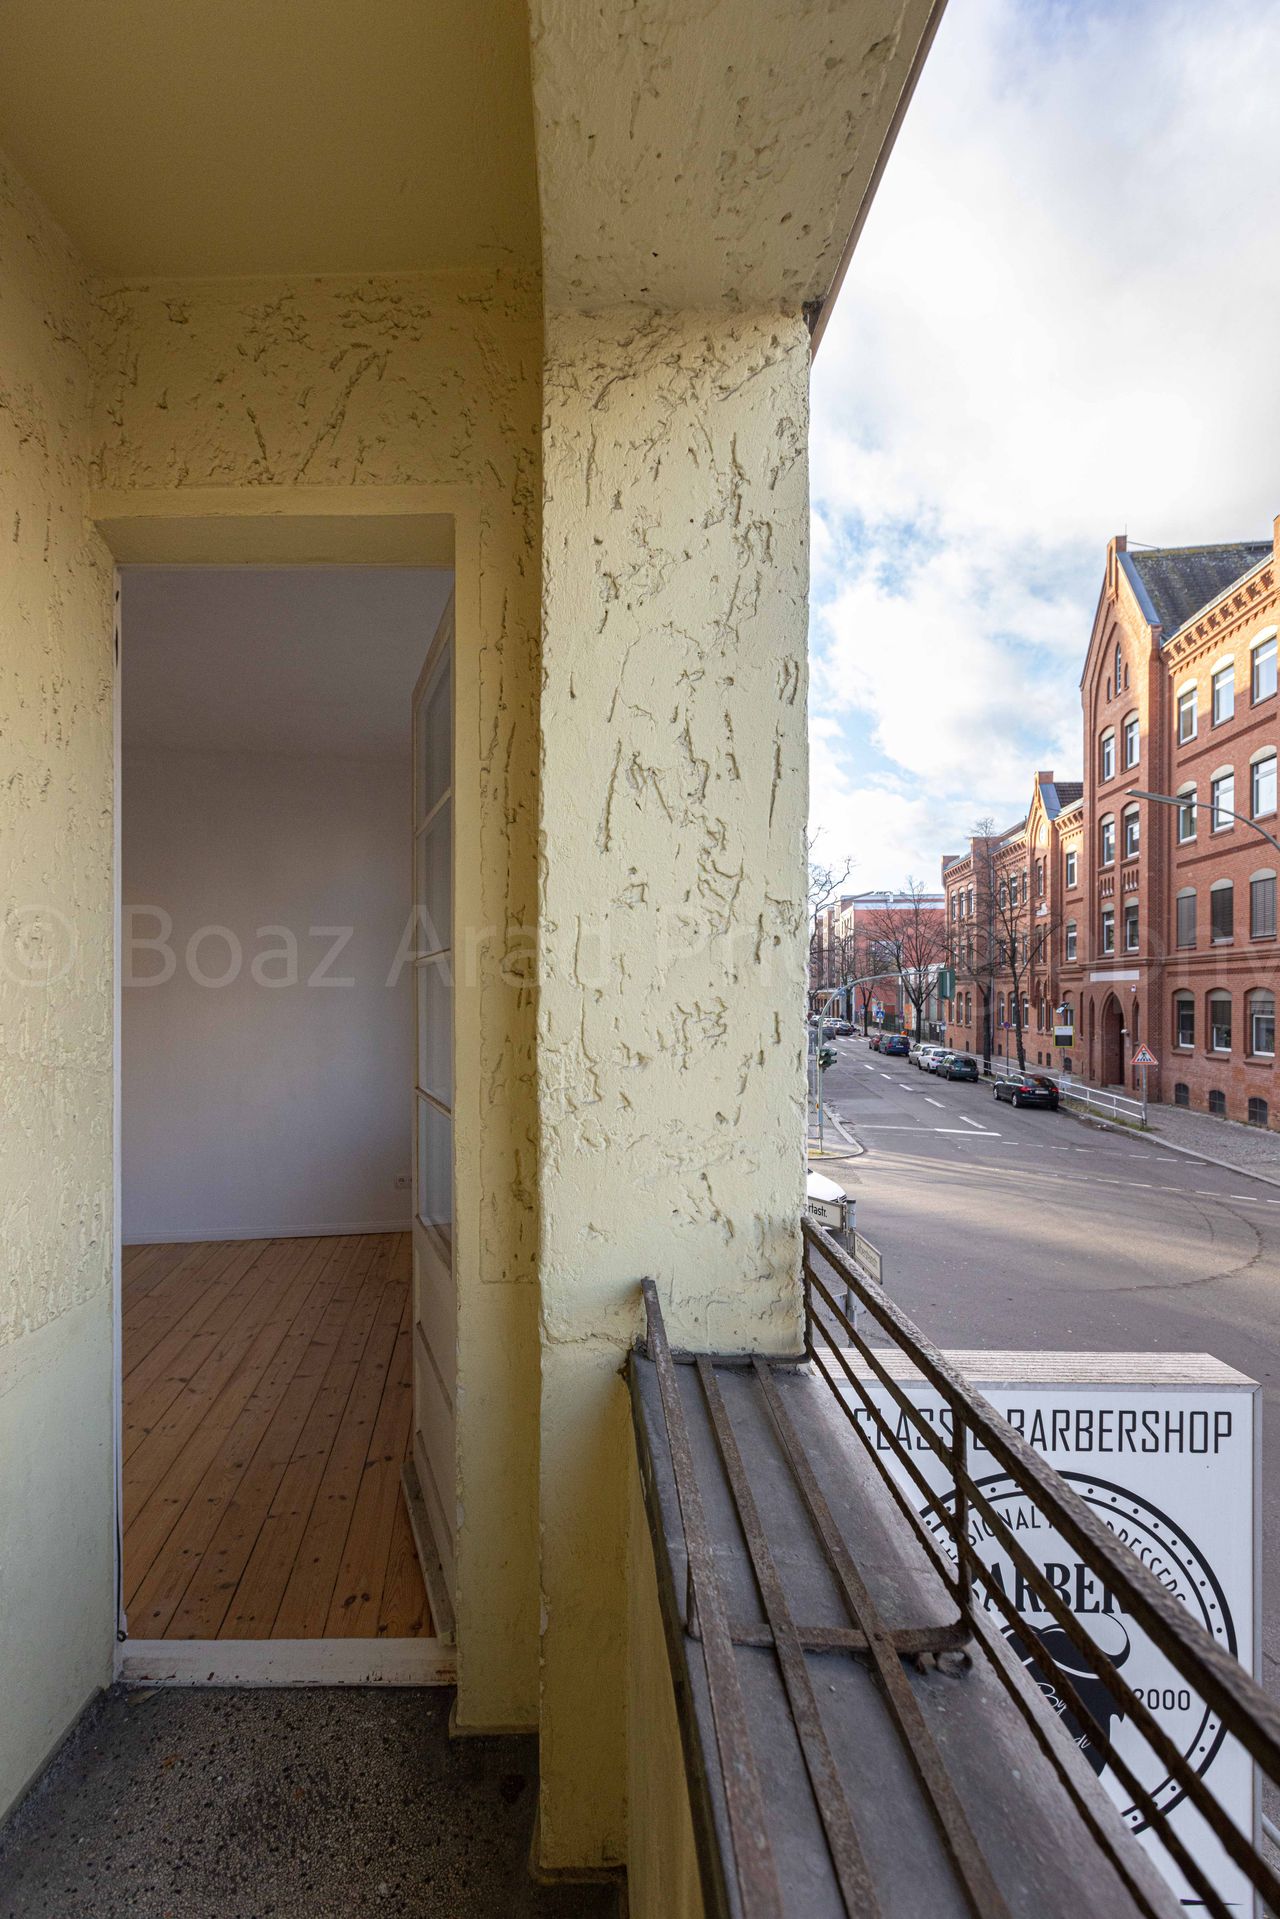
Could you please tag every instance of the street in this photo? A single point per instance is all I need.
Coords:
(1004, 1228)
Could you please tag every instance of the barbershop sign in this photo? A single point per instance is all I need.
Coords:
(1165, 1449)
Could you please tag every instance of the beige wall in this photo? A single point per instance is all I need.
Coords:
(265, 396)
(57, 1607)
(671, 963)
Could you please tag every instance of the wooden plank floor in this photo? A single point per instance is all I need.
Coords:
(267, 1409)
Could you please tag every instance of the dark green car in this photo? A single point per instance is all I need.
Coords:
(958, 1066)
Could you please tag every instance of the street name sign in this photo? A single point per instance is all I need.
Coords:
(1165, 1448)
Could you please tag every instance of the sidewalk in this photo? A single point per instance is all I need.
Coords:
(1218, 1142)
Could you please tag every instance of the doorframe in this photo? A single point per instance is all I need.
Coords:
(273, 527)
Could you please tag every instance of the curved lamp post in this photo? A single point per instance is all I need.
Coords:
(1176, 799)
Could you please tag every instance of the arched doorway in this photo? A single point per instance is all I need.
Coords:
(1112, 1073)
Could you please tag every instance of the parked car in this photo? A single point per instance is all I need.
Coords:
(1028, 1089)
(843, 1029)
(924, 1052)
(875, 1038)
(933, 1062)
(958, 1066)
(896, 1043)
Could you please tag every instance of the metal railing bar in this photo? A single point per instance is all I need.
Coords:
(976, 1628)
(752, 1853)
(846, 1851)
(1219, 1679)
(983, 1895)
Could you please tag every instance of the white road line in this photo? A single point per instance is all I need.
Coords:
(934, 1102)
(886, 1076)
(956, 1129)
(974, 1124)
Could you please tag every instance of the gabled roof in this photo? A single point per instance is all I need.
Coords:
(1173, 582)
(1060, 794)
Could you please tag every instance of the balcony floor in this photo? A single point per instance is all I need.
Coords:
(319, 1803)
(267, 1407)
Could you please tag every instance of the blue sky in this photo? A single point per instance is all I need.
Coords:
(1062, 322)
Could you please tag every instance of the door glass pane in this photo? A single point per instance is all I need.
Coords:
(433, 755)
(435, 1168)
(435, 1029)
(433, 884)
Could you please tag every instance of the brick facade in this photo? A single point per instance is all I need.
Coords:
(1129, 963)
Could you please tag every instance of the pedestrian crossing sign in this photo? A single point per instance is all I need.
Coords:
(1144, 1057)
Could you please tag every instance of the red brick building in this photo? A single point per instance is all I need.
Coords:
(1158, 920)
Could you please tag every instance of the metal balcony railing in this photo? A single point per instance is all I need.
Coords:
(943, 1524)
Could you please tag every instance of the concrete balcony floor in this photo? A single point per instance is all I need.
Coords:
(178, 1804)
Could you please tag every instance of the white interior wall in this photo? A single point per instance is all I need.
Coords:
(265, 785)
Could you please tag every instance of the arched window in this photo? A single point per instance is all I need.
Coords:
(1262, 904)
(1219, 1010)
(1184, 1020)
(1262, 783)
(1119, 666)
(1130, 734)
(1262, 655)
(1107, 839)
(1218, 1104)
(1222, 919)
(1107, 754)
(1262, 1024)
(1187, 810)
(1222, 792)
(1132, 831)
(1258, 1115)
(1181, 1093)
(1188, 717)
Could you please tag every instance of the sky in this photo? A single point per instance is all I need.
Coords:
(1062, 322)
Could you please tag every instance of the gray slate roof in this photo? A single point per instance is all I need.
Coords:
(1177, 581)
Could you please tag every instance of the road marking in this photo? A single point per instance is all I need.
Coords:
(933, 1102)
(956, 1129)
(973, 1123)
(886, 1075)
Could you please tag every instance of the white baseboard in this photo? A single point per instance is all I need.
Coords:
(286, 1662)
(220, 1234)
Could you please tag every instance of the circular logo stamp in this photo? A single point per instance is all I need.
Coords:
(1173, 1557)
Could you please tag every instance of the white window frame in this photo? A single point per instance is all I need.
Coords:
(1107, 755)
(1217, 997)
(1256, 1051)
(1131, 920)
(1132, 725)
(1187, 814)
(1188, 689)
(1221, 775)
(1181, 1000)
(1224, 675)
(1267, 638)
(1107, 838)
(1264, 755)
(1108, 929)
(1069, 940)
(1071, 867)
(1131, 825)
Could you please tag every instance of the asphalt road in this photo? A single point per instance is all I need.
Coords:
(1007, 1229)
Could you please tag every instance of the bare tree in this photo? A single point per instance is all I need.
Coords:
(976, 952)
(826, 884)
(1012, 931)
(911, 934)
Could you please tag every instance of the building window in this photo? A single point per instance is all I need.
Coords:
(1132, 831)
(1222, 912)
(1108, 929)
(1264, 668)
(1222, 789)
(1107, 840)
(1186, 911)
(1071, 868)
(1131, 740)
(999, 1009)
(1218, 1104)
(1262, 1024)
(1262, 784)
(1069, 941)
(1220, 1022)
(1186, 814)
(1187, 715)
(1107, 754)
(1119, 666)
(1181, 1093)
(1224, 694)
(1257, 1112)
(1262, 906)
(1130, 929)
(1184, 1019)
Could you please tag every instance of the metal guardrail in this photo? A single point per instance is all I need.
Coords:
(1095, 1098)
(943, 1527)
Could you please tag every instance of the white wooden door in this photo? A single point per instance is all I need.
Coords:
(434, 1296)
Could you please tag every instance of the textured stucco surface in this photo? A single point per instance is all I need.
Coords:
(671, 929)
(273, 389)
(56, 1609)
(722, 150)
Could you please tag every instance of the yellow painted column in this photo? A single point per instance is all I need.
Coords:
(671, 934)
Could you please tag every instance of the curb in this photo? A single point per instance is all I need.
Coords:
(1188, 1152)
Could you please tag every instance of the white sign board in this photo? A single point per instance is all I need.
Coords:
(1165, 1449)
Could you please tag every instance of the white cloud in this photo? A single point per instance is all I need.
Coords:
(1059, 324)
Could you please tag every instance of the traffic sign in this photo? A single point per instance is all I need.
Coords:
(1145, 1057)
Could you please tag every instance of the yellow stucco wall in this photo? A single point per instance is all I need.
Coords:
(57, 1611)
(267, 395)
(670, 1073)
(662, 1863)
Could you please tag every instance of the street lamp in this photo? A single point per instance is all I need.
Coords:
(1176, 799)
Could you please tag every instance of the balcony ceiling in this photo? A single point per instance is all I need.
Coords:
(172, 138)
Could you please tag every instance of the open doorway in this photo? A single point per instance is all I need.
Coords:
(271, 940)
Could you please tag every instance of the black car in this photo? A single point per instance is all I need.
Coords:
(896, 1043)
(1028, 1089)
(958, 1066)
(843, 1029)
